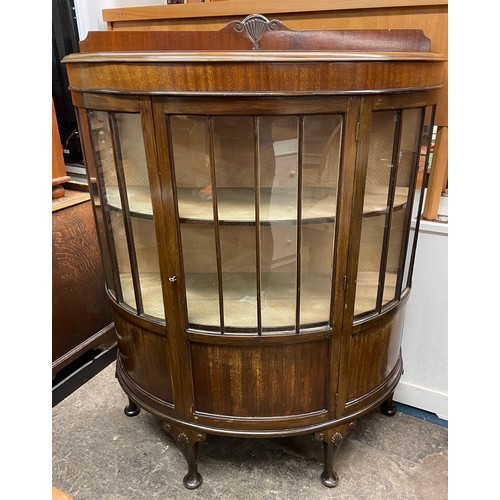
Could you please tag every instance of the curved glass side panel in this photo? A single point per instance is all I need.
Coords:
(397, 152)
(375, 209)
(123, 182)
(278, 138)
(416, 201)
(405, 176)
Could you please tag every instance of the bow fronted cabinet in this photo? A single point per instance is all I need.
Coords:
(255, 188)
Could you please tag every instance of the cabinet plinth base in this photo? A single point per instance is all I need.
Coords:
(187, 440)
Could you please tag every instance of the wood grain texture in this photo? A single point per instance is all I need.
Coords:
(308, 78)
(276, 36)
(230, 380)
(80, 308)
(144, 358)
(374, 354)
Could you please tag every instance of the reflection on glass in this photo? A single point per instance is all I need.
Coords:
(320, 171)
(235, 188)
(234, 168)
(375, 209)
(191, 153)
(405, 175)
(278, 161)
(121, 166)
(370, 254)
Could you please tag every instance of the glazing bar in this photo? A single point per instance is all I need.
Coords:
(256, 171)
(216, 219)
(300, 154)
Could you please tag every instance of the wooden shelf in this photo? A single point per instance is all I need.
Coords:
(278, 304)
(237, 205)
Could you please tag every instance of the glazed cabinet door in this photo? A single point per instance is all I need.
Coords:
(256, 188)
(256, 192)
(393, 145)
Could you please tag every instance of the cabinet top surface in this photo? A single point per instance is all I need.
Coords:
(189, 56)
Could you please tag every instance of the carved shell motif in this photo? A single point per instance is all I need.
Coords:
(255, 25)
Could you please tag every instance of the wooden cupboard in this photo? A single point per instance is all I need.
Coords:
(256, 188)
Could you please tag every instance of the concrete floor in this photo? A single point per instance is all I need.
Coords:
(100, 454)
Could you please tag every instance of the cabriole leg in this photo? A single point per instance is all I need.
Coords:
(388, 407)
(187, 440)
(131, 410)
(332, 439)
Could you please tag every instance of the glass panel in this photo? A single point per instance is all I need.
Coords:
(417, 200)
(106, 171)
(375, 209)
(234, 168)
(278, 161)
(239, 277)
(148, 265)
(122, 168)
(394, 251)
(191, 155)
(370, 253)
(405, 176)
(320, 171)
(122, 258)
(190, 146)
(242, 275)
(234, 145)
(200, 272)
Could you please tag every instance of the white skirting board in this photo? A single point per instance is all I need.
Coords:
(423, 398)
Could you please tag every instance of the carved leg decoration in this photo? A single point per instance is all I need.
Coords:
(332, 439)
(187, 441)
(131, 410)
(388, 408)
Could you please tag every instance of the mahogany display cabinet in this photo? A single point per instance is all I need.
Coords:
(256, 188)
